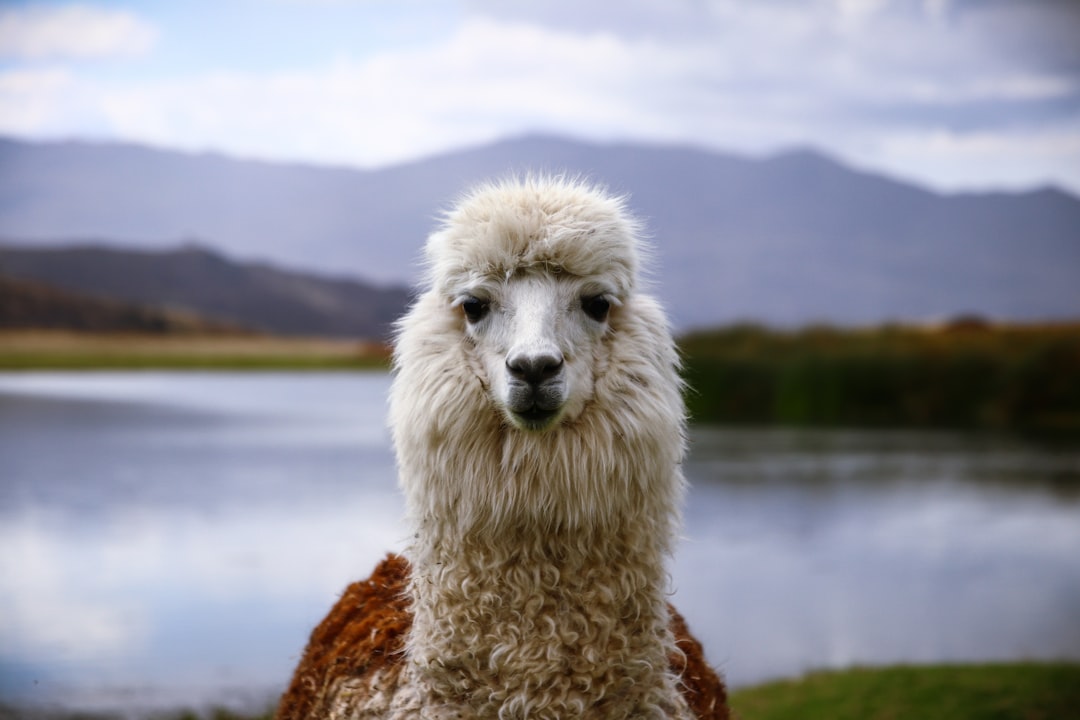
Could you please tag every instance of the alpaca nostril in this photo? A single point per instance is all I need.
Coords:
(534, 369)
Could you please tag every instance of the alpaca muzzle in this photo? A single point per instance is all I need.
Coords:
(537, 389)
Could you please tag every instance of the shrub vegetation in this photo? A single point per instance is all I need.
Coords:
(964, 375)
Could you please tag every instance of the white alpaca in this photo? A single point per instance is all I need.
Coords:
(539, 428)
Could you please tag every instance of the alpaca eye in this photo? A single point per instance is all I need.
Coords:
(475, 309)
(596, 307)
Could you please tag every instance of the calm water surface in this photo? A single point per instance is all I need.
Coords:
(170, 539)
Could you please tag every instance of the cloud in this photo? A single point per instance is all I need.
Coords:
(32, 100)
(72, 32)
(484, 81)
(854, 77)
(983, 160)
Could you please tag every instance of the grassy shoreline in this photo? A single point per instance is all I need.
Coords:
(986, 691)
(992, 691)
(67, 350)
(965, 376)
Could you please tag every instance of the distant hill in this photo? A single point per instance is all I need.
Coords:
(196, 280)
(32, 305)
(789, 239)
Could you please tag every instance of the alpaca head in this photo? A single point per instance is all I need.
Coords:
(534, 274)
(532, 378)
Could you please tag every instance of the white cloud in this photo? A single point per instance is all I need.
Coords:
(856, 77)
(1001, 88)
(486, 80)
(32, 100)
(981, 160)
(72, 31)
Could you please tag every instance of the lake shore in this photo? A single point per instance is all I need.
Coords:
(71, 350)
(972, 375)
(968, 374)
(1004, 691)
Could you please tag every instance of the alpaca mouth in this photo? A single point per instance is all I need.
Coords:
(535, 407)
(535, 417)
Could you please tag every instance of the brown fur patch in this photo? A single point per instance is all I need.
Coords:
(365, 631)
(701, 686)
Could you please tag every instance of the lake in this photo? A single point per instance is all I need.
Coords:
(170, 539)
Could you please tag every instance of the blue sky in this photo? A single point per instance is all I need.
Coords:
(954, 94)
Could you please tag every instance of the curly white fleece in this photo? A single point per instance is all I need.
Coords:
(538, 582)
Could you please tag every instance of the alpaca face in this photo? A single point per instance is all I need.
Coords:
(536, 336)
(534, 386)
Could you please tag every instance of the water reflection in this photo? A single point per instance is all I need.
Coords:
(832, 548)
(165, 539)
(168, 539)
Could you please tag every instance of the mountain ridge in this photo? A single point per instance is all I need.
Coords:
(194, 279)
(792, 238)
(31, 305)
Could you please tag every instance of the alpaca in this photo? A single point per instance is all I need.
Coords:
(536, 412)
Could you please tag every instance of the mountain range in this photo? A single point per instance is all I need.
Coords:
(198, 283)
(30, 305)
(788, 239)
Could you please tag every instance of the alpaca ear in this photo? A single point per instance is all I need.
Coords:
(436, 245)
(435, 253)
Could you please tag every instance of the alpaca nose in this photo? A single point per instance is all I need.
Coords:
(534, 369)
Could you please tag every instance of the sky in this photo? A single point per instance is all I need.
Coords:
(952, 94)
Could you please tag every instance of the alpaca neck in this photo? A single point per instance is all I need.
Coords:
(544, 625)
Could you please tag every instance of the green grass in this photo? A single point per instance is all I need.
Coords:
(968, 375)
(995, 691)
(58, 350)
(1014, 691)
(91, 362)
